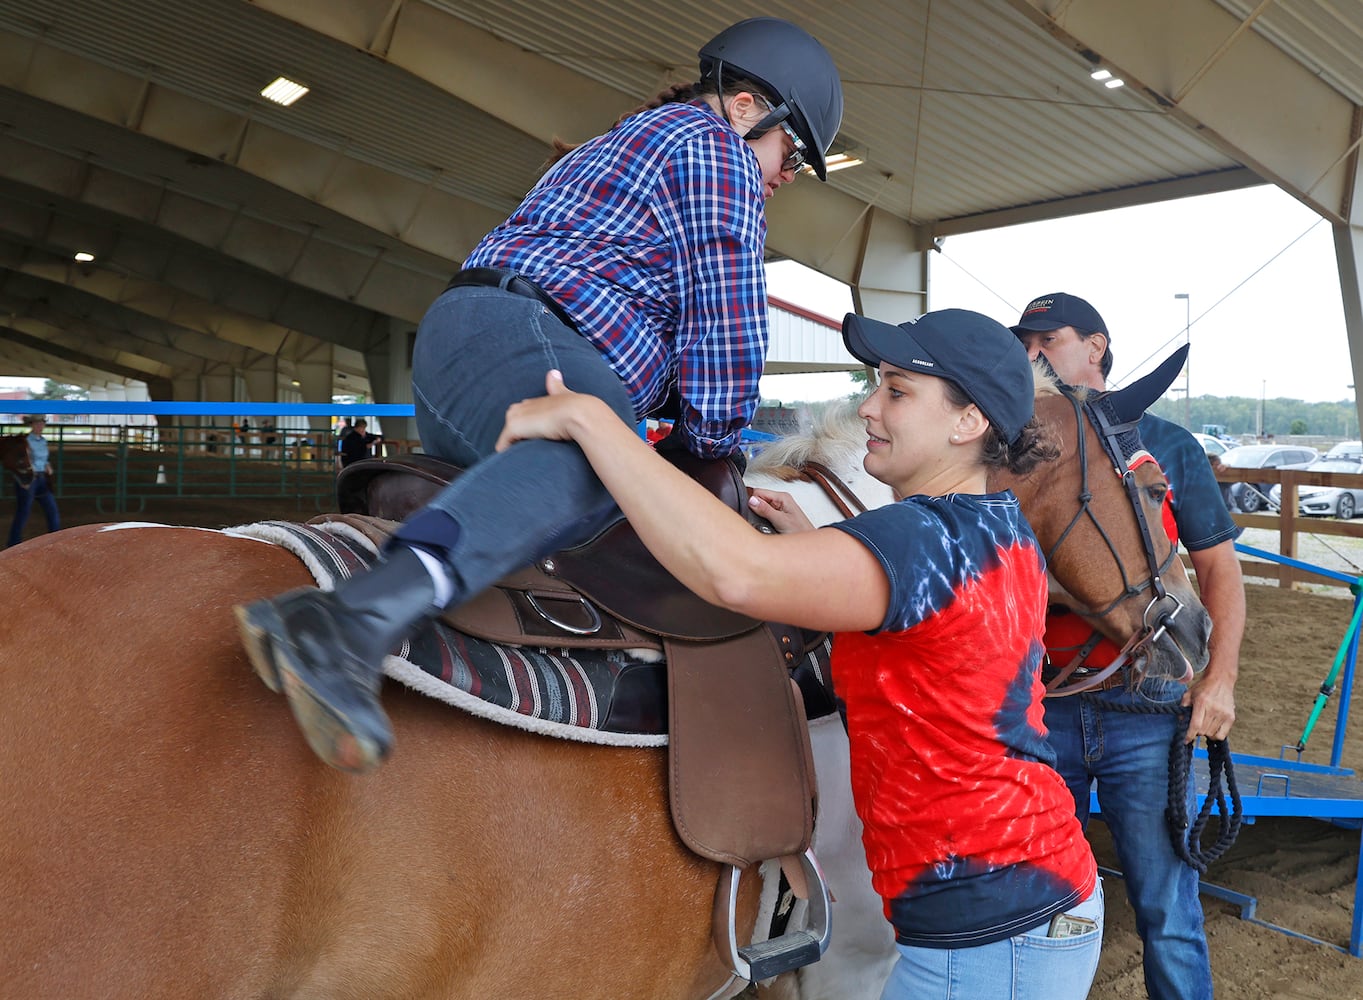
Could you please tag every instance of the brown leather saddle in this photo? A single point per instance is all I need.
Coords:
(742, 775)
(741, 779)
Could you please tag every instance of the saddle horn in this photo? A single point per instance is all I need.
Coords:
(1129, 402)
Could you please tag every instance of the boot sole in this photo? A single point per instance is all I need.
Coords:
(325, 730)
(259, 649)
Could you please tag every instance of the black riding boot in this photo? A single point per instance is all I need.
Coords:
(325, 652)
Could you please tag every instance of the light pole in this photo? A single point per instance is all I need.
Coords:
(1188, 363)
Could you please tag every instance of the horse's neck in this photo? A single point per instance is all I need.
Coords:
(818, 506)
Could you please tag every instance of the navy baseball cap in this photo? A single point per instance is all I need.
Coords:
(972, 350)
(1051, 312)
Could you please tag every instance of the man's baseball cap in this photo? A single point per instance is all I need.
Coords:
(1051, 312)
(972, 350)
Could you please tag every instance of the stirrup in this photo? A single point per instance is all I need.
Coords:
(791, 950)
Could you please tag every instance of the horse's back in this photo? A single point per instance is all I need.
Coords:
(164, 830)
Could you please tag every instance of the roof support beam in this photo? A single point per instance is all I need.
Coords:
(892, 271)
(1146, 194)
(1349, 256)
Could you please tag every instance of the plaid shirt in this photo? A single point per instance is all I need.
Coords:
(651, 237)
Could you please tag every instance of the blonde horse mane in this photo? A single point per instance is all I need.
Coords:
(833, 435)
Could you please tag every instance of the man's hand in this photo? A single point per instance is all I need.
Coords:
(1213, 704)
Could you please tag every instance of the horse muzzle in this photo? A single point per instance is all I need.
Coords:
(1174, 642)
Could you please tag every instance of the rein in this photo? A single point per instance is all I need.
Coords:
(837, 491)
(1158, 614)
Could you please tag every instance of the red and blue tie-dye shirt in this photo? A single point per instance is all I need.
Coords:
(651, 238)
(969, 831)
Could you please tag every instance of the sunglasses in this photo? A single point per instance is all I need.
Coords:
(795, 160)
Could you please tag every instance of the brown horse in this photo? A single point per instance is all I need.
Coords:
(165, 832)
(14, 457)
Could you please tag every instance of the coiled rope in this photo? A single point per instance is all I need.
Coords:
(1223, 794)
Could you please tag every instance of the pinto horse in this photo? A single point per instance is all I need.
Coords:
(165, 831)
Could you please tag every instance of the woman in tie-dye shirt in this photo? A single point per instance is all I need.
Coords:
(938, 601)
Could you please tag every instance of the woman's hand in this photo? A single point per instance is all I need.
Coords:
(781, 510)
(551, 417)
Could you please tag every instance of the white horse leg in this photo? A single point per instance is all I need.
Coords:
(862, 952)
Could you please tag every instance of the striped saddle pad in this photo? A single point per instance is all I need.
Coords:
(610, 697)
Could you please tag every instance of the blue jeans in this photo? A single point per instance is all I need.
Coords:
(40, 490)
(478, 350)
(1128, 754)
(1028, 966)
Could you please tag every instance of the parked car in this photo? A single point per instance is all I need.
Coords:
(1343, 502)
(1251, 496)
(1212, 445)
(1352, 450)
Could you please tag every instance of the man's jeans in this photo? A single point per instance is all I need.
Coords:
(1128, 754)
(39, 490)
(478, 351)
(1028, 966)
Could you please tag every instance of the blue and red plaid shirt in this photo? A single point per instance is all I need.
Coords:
(651, 238)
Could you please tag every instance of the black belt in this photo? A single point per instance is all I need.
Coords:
(510, 281)
(1115, 679)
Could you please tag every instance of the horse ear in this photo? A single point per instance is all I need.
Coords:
(1133, 400)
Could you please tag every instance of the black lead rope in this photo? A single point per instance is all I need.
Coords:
(1188, 845)
(1186, 836)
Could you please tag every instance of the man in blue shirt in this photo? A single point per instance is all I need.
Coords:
(39, 488)
(1127, 752)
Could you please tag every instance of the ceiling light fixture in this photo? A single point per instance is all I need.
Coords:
(84, 257)
(1100, 74)
(841, 161)
(1114, 83)
(283, 91)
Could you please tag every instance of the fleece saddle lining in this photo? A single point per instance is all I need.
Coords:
(559, 693)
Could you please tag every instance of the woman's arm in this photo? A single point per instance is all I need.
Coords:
(822, 579)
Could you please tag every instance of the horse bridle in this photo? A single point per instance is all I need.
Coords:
(1164, 607)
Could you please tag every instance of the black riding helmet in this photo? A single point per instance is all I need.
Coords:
(798, 71)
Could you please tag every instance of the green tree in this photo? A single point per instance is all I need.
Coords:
(61, 390)
(1298, 427)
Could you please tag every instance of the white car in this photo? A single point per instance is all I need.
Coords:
(1347, 450)
(1321, 501)
(1212, 445)
(1251, 496)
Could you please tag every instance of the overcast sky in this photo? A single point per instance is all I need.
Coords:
(1276, 328)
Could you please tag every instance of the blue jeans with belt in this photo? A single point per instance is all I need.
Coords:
(1128, 754)
(478, 350)
(39, 490)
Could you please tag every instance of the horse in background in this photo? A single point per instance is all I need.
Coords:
(862, 951)
(164, 827)
(14, 457)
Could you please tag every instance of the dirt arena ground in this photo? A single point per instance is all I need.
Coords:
(1302, 871)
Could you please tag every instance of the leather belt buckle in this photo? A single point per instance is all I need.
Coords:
(510, 281)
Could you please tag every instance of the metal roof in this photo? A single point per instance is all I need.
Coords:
(135, 127)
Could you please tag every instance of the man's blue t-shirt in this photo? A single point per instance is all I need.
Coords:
(1199, 510)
